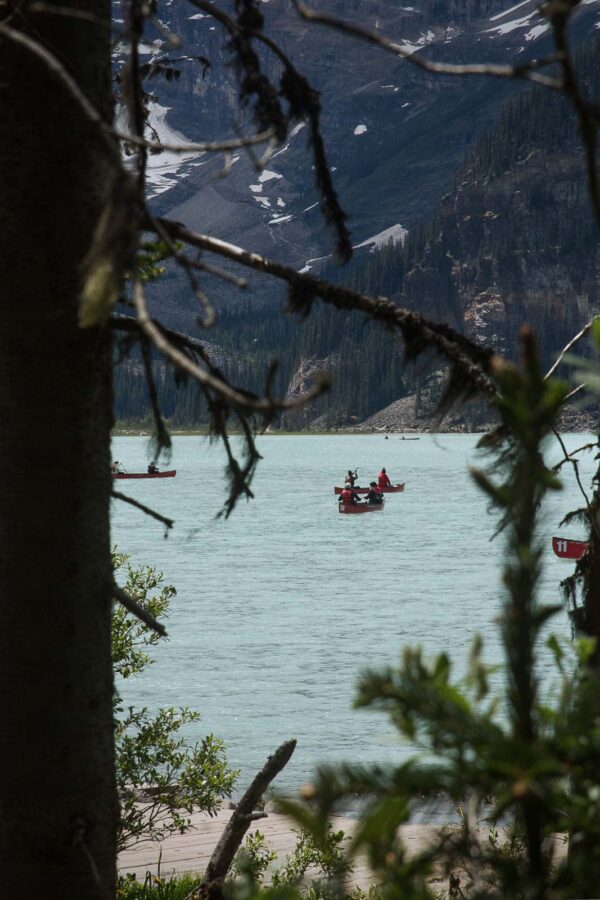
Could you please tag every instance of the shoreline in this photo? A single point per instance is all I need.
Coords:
(398, 435)
(189, 853)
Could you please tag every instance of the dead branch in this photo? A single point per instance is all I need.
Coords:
(568, 458)
(569, 346)
(168, 523)
(527, 70)
(262, 137)
(239, 400)
(304, 104)
(162, 438)
(469, 358)
(241, 819)
(210, 315)
(558, 13)
(136, 609)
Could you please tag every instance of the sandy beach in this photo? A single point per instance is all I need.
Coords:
(180, 854)
(190, 853)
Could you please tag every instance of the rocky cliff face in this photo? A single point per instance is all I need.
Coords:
(516, 240)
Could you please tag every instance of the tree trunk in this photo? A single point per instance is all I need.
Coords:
(58, 804)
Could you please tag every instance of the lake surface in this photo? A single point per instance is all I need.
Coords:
(280, 607)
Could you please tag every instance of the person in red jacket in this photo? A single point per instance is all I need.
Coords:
(375, 494)
(348, 496)
(383, 479)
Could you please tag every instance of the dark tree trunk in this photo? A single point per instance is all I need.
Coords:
(58, 806)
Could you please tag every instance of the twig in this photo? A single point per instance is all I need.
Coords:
(526, 71)
(132, 88)
(138, 610)
(168, 523)
(162, 438)
(574, 340)
(576, 390)
(558, 13)
(235, 280)
(575, 465)
(237, 399)
(567, 458)
(180, 257)
(241, 818)
(239, 143)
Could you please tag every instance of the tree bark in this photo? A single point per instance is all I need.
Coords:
(58, 802)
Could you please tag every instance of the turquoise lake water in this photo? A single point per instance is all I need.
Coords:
(280, 607)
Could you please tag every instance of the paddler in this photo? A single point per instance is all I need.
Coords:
(152, 468)
(351, 477)
(348, 496)
(375, 494)
(383, 479)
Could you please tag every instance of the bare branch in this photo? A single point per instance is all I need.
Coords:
(468, 357)
(567, 458)
(209, 310)
(168, 523)
(304, 104)
(138, 610)
(241, 819)
(580, 387)
(229, 144)
(574, 340)
(237, 399)
(235, 280)
(162, 438)
(575, 465)
(558, 13)
(526, 70)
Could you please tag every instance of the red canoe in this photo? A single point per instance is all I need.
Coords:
(567, 549)
(355, 508)
(170, 474)
(394, 489)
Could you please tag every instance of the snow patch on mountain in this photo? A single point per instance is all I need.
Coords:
(507, 27)
(395, 233)
(507, 12)
(267, 175)
(537, 31)
(163, 170)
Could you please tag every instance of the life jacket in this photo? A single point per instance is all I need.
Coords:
(346, 496)
(383, 480)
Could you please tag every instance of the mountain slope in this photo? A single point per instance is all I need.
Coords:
(395, 135)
